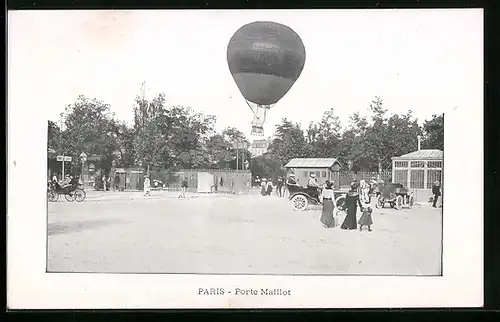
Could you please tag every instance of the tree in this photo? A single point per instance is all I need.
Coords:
(289, 143)
(217, 148)
(126, 153)
(433, 133)
(352, 143)
(53, 136)
(324, 137)
(170, 137)
(389, 137)
(265, 166)
(370, 143)
(89, 127)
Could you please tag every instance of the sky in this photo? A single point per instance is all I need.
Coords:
(427, 61)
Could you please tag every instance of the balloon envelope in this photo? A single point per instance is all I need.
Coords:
(265, 59)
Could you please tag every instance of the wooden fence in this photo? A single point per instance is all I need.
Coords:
(347, 177)
(225, 180)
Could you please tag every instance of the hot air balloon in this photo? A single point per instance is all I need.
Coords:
(265, 59)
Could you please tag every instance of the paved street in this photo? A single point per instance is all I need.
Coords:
(246, 234)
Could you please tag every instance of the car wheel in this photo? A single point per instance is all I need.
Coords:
(299, 202)
(80, 195)
(411, 201)
(340, 203)
(70, 196)
(399, 202)
(380, 203)
(52, 196)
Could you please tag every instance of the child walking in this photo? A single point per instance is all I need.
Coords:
(366, 217)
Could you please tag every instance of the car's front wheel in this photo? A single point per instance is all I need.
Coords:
(299, 203)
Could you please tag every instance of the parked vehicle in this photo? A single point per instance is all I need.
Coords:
(396, 195)
(302, 197)
(157, 185)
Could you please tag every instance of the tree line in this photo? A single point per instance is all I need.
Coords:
(170, 138)
(160, 137)
(368, 142)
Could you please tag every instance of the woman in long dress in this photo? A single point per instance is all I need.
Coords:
(351, 203)
(269, 187)
(327, 218)
(263, 187)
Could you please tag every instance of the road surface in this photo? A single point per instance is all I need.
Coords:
(125, 232)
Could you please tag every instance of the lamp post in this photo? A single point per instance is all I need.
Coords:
(83, 159)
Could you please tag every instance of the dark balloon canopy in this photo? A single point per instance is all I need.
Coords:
(265, 59)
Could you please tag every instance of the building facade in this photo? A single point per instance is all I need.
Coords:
(418, 171)
(259, 147)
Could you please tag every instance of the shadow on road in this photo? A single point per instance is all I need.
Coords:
(60, 228)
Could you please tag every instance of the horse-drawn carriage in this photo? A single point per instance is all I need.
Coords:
(301, 197)
(396, 195)
(70, 192)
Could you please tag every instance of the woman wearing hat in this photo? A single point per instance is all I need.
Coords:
(269, 187)
(290, 181)
(352, 202)
(327, 218)
(313, 185)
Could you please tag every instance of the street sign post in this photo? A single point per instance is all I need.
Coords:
(63, 159)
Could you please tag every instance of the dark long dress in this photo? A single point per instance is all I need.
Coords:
(269, 189)
(327, 218)
(263, 187)
(351, 203)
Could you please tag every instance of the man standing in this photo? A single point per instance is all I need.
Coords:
(436, 191)
(184, 187)
(104, 182)
(117, 181)
(279, 186)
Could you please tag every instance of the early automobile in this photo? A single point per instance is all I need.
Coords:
(396, 195)
(301, 197)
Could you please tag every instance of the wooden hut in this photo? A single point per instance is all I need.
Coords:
(324, 168)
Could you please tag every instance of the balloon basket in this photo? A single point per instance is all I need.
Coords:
(257, 130)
